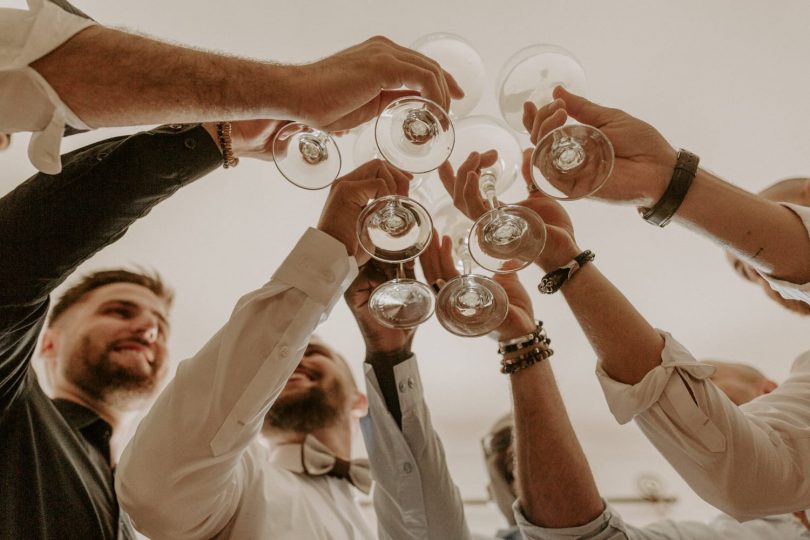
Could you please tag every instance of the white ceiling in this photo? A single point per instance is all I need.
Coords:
(725, 79)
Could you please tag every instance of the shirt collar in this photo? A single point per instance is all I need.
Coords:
(86, 421)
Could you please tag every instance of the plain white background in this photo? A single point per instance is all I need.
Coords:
(725, 79)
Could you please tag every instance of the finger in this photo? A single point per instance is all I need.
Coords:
(586, 111)
(402, 180)
(541, 116)
(474, 202)
(420, 61)
(369, 110)
(526, 167)
(549, 124)
(488, 159)
(448, 177)
(429, 259)
(412, 72)
(470, 164)
(456, 91)
(366, 170)
(529, 112)
(385, 173)
(446, 264)
(408, 269)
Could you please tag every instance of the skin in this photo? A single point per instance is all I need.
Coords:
(5, 141)
(127, 317)
(322, 367)
(162, 83)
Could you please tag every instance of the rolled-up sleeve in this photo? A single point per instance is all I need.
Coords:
(182, 474)
(749, 461)
(610, 526)
(27, 101)
(786, 289)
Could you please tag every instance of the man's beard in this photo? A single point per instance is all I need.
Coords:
(101, 378)
(304, 414)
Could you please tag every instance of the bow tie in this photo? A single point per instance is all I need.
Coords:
(313, 458)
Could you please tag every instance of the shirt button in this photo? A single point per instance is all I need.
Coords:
(411, 384)
(407, 467)
(284, 352)
(190, 143)
(402, 386)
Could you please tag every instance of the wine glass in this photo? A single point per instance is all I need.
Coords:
(307, 157)
(396, 229)
(365, 149)
(470, 304)
(457, 56)
(507, 238)
(414, 134)
(574, 160)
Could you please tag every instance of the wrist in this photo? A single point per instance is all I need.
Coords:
(557, 257)
(389, 357)
(660, 176)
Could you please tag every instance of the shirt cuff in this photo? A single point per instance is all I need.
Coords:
(319, 267)
(626, 401)
(607, 521)
(786, 289)
(51, 27)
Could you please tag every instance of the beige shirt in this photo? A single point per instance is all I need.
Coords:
(27, 101)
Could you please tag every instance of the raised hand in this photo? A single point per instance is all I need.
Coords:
(379, 339)
(644, 159)
(350, 194)
(353, 86)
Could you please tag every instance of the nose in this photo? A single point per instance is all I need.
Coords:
(147, 327)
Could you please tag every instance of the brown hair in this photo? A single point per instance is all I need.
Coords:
(90, 282)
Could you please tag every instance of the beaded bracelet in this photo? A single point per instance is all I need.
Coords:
(508, 367)
(224, 136)
(522, 342)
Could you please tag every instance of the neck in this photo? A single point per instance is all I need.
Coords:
(108, 413)
(337, 437)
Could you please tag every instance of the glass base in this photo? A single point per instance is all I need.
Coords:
(471, 305)
(507, 239)
(572, 162)
(401, 303)
(307, 157)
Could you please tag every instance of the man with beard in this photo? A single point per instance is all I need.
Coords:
(104, 346)
(196, 467)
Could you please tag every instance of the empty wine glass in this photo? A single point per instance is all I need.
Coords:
(507, 238)
(396, 229)
(574, 160)
(307, 157)
(414, 134)
(458, 57)
(478, 132)
(470, 304)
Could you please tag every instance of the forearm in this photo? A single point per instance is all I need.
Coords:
(763, 232)
(626, 344)
(555, 484)
(161, 83)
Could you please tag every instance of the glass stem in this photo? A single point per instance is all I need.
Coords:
(401, 271)
(488, 189)
(466, 259)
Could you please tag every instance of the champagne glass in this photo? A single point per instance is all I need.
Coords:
(574, 160)
(470, 304)
(457, 56)
(414, 134)
(307, 157)
(396, 229)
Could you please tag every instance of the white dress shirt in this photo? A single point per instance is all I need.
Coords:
(748, 461)
(27, 101)
(610, 526)
(414, 496)
(195, 468)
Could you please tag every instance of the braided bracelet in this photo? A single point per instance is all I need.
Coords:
(522, 342)
(224, 135)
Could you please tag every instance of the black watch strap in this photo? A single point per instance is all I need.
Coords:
(685, 169)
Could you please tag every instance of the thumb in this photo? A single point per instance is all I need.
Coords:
(584, 111)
